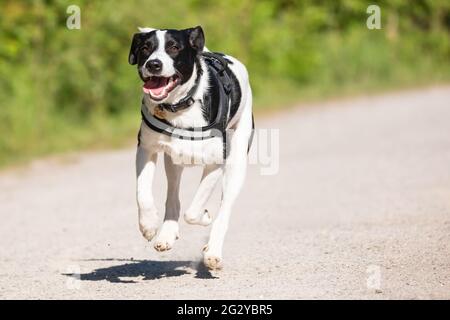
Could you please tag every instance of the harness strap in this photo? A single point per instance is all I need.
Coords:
(164, 127)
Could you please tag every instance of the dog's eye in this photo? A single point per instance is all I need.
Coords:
(145, 50)
(174, 48)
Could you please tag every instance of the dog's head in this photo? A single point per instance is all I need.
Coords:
(165, 58)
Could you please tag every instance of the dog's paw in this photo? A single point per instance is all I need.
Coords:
(203, 219)
(148, 232)
(148, 224)
(167, 236)
(211, 260)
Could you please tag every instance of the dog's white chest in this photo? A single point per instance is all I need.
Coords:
(198, 152)
(183, 151)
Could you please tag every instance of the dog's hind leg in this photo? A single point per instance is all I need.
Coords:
(169, 230)
(197, 214)
(145, 170)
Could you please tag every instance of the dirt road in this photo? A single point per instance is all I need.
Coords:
(360, 208)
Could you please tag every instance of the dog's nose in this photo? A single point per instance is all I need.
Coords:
(154, 65)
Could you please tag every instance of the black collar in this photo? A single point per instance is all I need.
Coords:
(180, 105)
(187, 101)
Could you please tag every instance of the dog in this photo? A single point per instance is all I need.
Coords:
(197, 110)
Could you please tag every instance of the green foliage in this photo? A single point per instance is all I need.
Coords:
(64, 89)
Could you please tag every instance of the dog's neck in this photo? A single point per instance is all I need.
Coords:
(193, 115)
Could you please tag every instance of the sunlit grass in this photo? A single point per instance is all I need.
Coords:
(63, 91)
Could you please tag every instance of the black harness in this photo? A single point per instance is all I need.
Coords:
(217, 65)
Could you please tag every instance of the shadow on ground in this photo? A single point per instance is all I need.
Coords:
(144, 270)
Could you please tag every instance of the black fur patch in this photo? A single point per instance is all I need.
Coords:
(183, 55)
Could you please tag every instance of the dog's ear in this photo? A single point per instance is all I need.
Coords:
(196, 38)
(135, 43)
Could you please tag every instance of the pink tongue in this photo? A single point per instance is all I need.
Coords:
(154, 85)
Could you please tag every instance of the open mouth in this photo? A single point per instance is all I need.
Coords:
(159, 87)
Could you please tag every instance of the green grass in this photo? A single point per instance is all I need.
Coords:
(105, 132)
(64, 91)
(98, 133)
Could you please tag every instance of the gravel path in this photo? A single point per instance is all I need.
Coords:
(360, 208)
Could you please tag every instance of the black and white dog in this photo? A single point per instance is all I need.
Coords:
(196, 109)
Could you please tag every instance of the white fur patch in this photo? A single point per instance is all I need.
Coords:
(160, 53)
(167, 236)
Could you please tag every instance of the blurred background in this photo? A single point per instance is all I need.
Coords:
(64, 89)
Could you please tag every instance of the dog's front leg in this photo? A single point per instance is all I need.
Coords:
(145, 170)
(169, 230)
